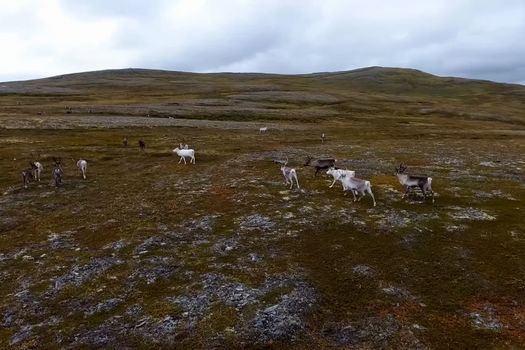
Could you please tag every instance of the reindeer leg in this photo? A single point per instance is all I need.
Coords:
(431, 193)
(406, 191)
(180, 160)
(316, 171)
(372, 195)
(422, 188)
(353, 194)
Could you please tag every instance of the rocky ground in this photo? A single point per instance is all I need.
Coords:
(150, 253)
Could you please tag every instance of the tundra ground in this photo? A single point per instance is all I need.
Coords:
(147, 252)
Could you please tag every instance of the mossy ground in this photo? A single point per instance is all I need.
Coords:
(431, 266)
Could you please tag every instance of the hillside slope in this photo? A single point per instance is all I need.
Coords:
(367, 92)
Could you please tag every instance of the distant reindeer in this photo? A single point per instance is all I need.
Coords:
(424, 183)
(289, 173)
(125, 141)
(263, 129)
(142, 145)
(58, 172)
(323, 137)
(36, 170)
(320, 164)
(27, 176)
(183, 153)
(82, 167)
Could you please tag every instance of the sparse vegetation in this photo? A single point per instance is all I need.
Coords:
(145, 253)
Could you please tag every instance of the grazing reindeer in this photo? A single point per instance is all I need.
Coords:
(125, 141)
(263, 130)
(142, 145)
(356, 185)
(27, 176)
(337, 174)
(36, 170)
(82, 167)
(183, 153)
(413, 181)
(58, 172)
(289, 173)
(320, 164)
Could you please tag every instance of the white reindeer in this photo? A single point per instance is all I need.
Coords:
(337, 174)
(82, 167)
(183, 153)
(289, 174)
(356, 185)
(263, 129)
(37, 168)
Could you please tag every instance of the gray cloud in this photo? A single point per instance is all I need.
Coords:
(469, 38)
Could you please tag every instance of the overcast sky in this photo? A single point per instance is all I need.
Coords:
(468, 38)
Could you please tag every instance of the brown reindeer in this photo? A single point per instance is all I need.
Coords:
(58, 172)
(320, 164)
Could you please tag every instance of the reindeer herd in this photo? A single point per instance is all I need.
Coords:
(358, 187)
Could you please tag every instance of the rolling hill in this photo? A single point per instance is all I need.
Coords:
(362, 93)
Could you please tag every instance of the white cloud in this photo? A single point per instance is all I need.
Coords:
(479, 39)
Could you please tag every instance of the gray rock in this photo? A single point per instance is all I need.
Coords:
(485, 319)
(363, 270)
(285, 320)
(224, 246)
(118, 245)
(23, 334)
(470, 213)
(150, 243)
(339, 335)
(153, 268)
(103, 307)
(256, 221)
(81, 274)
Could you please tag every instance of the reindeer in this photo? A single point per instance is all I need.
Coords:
(125, 141)
(263, 130)
(142, 145)
(82, 167)
(58, 172)
(183, 153)
(323, 138)
(356, 185)
(337, 174)
(36, 168)
(27, 176)
(183, 146)
(424, 183)
(320, 164)
(289, 173)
